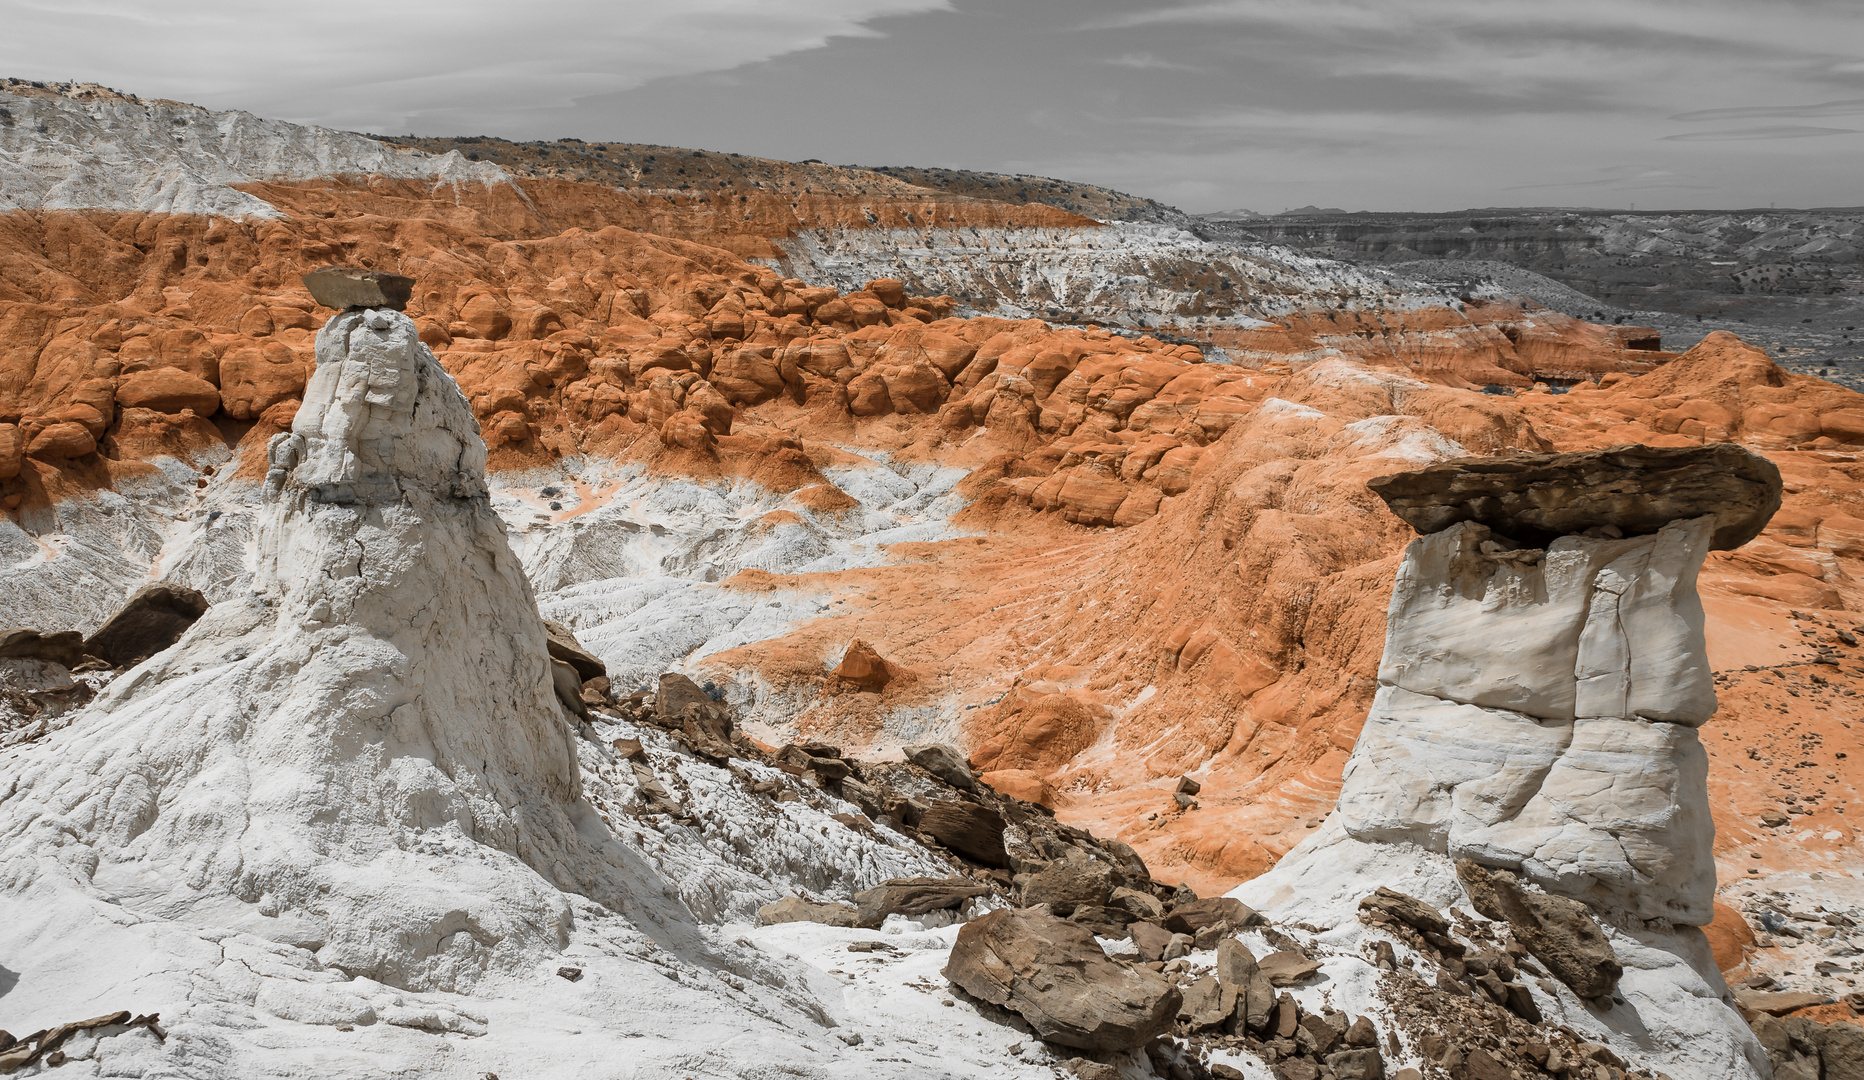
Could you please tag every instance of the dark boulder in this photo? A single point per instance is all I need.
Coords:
(152, 619)
(973, 831)
(1055, 975)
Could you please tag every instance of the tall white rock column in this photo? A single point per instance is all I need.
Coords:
(1537, 711)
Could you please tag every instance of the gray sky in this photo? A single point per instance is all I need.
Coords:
(1264, 104)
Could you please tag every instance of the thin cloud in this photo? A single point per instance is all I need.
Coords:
(1771, 131)
(1149, 62)
(1781, 112)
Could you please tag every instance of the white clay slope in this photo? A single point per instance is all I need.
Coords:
(99, 150)
(343, 826)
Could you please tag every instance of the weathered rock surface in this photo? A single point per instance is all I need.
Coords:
(151, 620)
(1054, 974)
(345, 287)
(1559, 931)
(1067, 882)
(1535, 498)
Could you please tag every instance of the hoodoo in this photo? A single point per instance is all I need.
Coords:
(1536, 716)
(383, 690)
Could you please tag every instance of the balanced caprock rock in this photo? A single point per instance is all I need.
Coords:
(1536, 714)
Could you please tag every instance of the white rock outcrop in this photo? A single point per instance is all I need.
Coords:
(1537, 711)
(82, 147)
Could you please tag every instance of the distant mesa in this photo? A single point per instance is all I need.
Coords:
(1636, 490)
(1311, 211)
(345, 287)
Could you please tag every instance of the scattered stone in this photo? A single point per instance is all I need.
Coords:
(1558, 931)
(629, 749)
(871, 946)
(944, 762)
(1188, 786)
(864, 667)
(912, 896)
(152, 619)
(1289, 968)
(796, 909)
(1535, 498)
(1409, 910)
(1520, 1001)
(973, 831)
(570, 973)
(1189, 918)
(1479, 1064)
(1055, 975)
(345, 287)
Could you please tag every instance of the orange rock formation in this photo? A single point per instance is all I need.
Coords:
(1182, 569)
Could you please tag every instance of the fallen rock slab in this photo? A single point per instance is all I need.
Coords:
(973, 831)
(944, 762)
(796, 909)
(1195, 915)
(1392, 904)
(1288, 968)
(59, 647)
(1560, 932)
(1637, 490)
(1778, 1004)
(1055, 975)
(563, 646)
(912, 896)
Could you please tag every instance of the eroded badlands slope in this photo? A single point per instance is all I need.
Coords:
(1096, 559)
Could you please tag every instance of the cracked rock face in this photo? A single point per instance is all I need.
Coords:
(1635, 490)
(1537, 711)
(365, 756)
